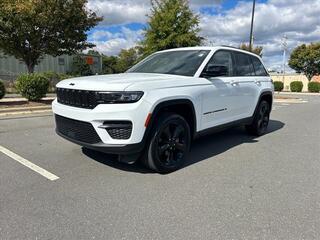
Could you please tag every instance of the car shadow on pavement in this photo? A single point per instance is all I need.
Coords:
(215, 144)
(112, 161)
(202, 149)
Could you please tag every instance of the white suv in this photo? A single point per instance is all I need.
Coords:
(154, 110)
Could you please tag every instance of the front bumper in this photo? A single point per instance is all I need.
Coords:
(119, 149)
(133, 112)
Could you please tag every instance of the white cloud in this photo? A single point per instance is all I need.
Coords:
(120, 12)
(111, 43)
(126, 11)
(101, 35)
(298, 19)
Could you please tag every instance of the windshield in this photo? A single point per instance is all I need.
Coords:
(185, 62)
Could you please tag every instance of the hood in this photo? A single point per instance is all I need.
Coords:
(120, 82)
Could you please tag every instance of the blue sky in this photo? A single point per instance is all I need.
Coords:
(221, 22)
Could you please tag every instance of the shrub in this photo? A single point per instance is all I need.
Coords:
(314, 87)
(54, 78)
(296, 86)
(32, 86)
(278, 86)
(2, 89)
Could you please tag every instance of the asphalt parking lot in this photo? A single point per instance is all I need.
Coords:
(233, 186)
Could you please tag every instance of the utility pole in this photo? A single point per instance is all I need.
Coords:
(285, 48)
(251, 29)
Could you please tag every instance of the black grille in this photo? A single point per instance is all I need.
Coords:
(77, 98)
(120, 133)
(77, 130)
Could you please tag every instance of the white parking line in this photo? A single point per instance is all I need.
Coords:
(275, 107)
(28, 164)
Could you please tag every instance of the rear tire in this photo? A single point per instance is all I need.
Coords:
(168, 145)
(260, 121)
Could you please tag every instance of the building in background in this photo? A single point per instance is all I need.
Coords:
(10, 67)
(290, 77)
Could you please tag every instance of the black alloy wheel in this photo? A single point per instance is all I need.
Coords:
(169, 144)
(263, 119)
(260, 121)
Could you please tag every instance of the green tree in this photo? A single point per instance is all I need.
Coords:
(127, 58)
(80, 67)
(171, 24)
(109, 64)
(93, 52)
(30, 29)
(257, 50)
(121, 63)
(306, 59)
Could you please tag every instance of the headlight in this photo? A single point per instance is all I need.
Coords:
(119, 97)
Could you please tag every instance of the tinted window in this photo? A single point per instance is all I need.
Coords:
(243, 65)
(219, 65)
(258, 67)
(184, 62)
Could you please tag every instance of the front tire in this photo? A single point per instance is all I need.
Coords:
(169, 144)
(260, 121)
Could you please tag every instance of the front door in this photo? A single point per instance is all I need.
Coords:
(220, 99)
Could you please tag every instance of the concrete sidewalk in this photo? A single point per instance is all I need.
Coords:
(14, 104)
(21, 99)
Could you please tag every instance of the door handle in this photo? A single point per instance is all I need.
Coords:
(257, 82)
(234, 83)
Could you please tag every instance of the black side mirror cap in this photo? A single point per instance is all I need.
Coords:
(215, 71)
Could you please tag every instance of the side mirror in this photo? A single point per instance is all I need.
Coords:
(216, 71)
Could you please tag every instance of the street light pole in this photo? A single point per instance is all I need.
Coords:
(251, 29)
(285, 48)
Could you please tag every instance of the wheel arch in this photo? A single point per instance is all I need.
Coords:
(267, 96)
(183, 107)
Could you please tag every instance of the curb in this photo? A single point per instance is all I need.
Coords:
(15, 95)
(24, 109)
(297, 93)
(18, 100)
(26, 112)
(298, 100)
(14, 108)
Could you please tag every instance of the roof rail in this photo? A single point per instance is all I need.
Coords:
(230, 46)
(240, 49)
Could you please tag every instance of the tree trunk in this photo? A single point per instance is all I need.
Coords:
(30, 67)
(309, 76)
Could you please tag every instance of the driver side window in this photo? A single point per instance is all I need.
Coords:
(220, 65)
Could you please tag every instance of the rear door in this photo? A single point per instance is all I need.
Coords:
(262, 78)
(247, 85)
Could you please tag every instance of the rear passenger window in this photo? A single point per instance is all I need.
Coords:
(243, 65)
(258, 67)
